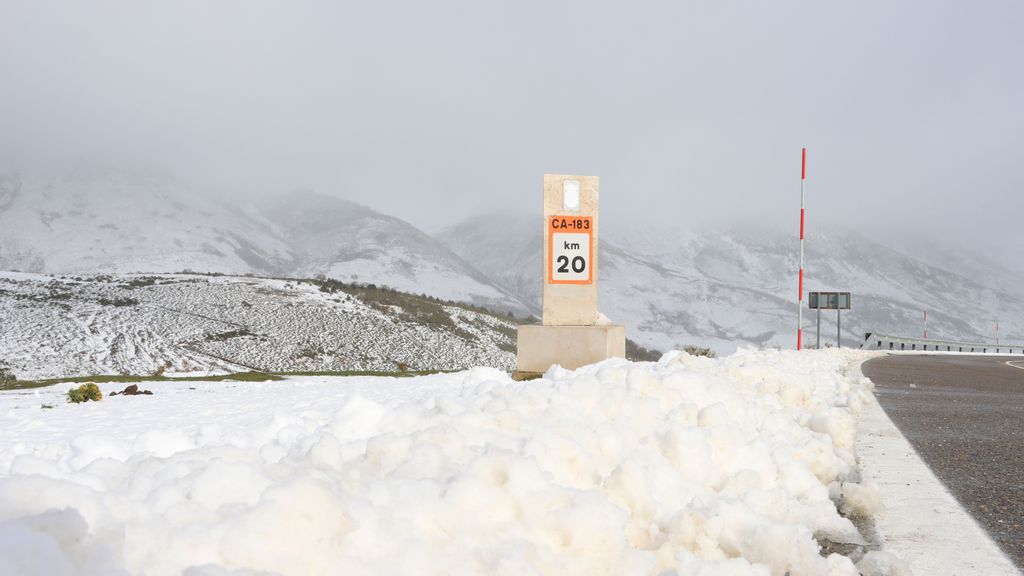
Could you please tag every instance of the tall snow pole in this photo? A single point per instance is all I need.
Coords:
(925, 323)
(800, 279)
(997, 332)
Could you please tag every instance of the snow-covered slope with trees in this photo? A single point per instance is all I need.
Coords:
(56, 327)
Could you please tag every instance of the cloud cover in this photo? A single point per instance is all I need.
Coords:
(432, 112)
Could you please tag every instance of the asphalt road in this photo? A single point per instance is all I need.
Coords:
(964, 415)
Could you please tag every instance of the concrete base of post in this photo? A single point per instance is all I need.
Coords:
(541, 347)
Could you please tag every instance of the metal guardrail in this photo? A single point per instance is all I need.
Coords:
(873, 341)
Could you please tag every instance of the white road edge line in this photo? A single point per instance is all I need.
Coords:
(922, 522)
(1011, 363)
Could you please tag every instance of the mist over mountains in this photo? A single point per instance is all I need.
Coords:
(732, 287)
(670, 286)
(115, 222)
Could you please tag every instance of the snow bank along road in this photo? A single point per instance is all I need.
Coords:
(742, 465)
(963, 415)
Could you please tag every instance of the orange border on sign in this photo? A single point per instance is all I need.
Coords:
(589, 231)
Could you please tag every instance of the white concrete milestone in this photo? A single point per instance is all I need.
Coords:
(569, 335)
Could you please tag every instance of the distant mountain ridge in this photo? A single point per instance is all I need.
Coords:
(103, 221)
(350, 242)
(729, 288)
(670, 286)
(88, 221)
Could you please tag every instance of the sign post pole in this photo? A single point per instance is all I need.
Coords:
(817, 344)
(839, 328)
(800, 280)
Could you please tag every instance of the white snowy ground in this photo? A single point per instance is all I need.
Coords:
(686, 466)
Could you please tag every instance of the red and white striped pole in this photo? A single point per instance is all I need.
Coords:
(925, 323)
(800, 280)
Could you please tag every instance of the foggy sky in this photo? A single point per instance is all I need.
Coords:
(433, 111)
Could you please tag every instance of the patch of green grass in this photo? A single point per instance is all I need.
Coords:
(379, 373)
(25, 384)
(104, 379)
(236, 377)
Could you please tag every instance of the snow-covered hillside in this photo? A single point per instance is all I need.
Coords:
(353, 243)
(101, 221)
(726, 288)
(740, 466)
(92, 221)
(53, 327)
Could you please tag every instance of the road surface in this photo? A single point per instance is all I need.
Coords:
(964, 415)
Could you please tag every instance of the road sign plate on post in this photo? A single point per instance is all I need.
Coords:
(570, 250)
(837, 301)
(829, 300)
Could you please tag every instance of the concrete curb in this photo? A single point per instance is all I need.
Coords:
(922, 522)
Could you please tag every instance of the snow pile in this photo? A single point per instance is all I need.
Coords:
(689, 465)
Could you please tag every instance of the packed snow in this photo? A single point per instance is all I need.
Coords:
(731, 466)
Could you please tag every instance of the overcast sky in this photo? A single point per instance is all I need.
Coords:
(913, 112)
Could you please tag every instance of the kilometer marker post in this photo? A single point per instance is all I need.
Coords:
(800, 279)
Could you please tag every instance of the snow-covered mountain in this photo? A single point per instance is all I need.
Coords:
(670, 286)
(110, 221)
(352, 243)
(727, 288)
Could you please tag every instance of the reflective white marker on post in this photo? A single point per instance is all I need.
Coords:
(571, 195)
